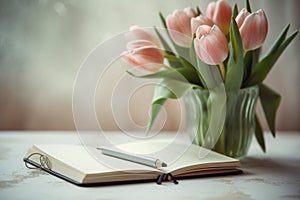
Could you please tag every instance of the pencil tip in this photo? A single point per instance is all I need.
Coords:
(164, 164)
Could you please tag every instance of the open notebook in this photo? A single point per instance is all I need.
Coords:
(75, 164)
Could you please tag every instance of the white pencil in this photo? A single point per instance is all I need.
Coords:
(144, 160)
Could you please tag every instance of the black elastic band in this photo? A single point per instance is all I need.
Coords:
(166, 177)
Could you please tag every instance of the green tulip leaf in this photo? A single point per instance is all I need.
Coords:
(250, 60)
(181, 74)
(270, 101)
(278, 41)
(155, 109)
(259, 135)
(198, 11)
(235, 11)
(204, 73)
(235, 69)
(261, 69)
(162, 40)
(209, 75)
(255, 56)
(248, 7)
(247, 66)
(162, 19)
(167, 89)
(200, 66)
(193, 55)
(167, 47)
(181, 51)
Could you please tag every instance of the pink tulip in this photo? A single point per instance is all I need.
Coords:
(253, 28)
(240, 18)
(143, 50)
(198, 21)
(220, 13)
(190, 12)
(211, 44)
(144, 54)
(179, 26)
(137, 33)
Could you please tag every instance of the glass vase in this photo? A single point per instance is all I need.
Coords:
(238, 128)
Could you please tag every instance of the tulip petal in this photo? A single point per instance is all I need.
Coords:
(190, 12)
(211, 44)
(215, 52)
(144, 54)
(254, 30)
(240, 18)
(179, 26)
(137, 33)
(210, 10)
(135, 44)
(222, 15)
(198, 21)
(202, 30)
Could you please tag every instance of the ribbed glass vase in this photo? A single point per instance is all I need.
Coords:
(239, 127)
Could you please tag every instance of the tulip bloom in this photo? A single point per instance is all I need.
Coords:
(144, 54)
(179, 26)
(211, 44)
(240, 18)
(198, 21)
(137, 33)
(253, 28)
(220, 13)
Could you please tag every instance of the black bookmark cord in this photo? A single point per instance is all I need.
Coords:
(166, 177)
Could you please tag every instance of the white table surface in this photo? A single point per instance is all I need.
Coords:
(275, 175)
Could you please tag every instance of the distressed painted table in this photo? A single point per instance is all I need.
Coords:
(275, 175)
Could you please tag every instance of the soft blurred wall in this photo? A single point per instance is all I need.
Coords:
(43, 43)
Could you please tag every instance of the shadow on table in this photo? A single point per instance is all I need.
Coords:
(284, 166)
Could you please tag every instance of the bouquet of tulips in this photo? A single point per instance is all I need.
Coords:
(223, 37)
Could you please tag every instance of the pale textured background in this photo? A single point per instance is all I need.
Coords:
(43, 43)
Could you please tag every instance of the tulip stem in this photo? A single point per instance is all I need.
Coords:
(172, 57)
(222, 70)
